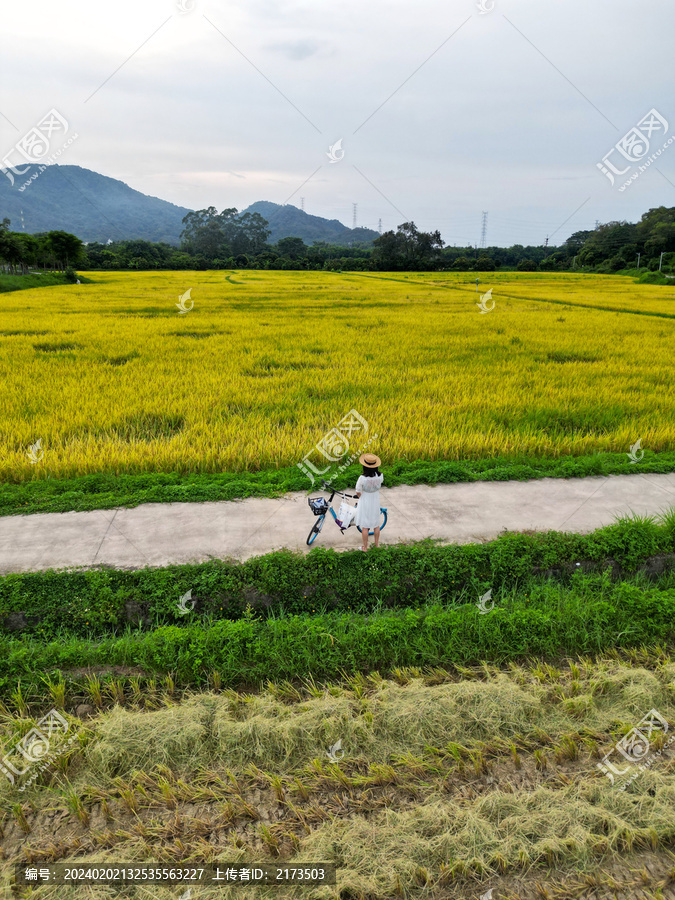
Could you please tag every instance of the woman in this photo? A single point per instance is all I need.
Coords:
(368, 492)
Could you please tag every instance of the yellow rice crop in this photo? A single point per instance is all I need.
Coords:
(111, 377)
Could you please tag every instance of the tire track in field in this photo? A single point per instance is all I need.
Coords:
(634, 312)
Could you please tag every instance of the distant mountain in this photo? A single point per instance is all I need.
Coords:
(289, 221)
(92, 206)
(96, 208)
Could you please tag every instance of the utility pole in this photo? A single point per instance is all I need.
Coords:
(660, 260)
(638, 261)
(483, 231)
(353, 215)
(574, 263)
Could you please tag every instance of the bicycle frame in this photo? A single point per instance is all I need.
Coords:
(318, 525)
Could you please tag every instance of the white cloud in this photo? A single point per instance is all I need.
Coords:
(229, 104)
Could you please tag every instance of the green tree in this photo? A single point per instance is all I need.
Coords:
(407, 249)
(656, 230)
(204, 233)
(291, 247)
(11, 250)
(252, 235)
(31, 250)
(576, 241)
(215, 235)
(65, 249)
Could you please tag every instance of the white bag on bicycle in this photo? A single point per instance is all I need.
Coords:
(345, 514)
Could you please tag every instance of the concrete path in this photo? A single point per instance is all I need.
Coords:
(158, 534)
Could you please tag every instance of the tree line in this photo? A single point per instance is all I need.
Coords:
(227, 240)
(53, 250)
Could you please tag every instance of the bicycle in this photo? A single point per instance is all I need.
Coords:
(320, 507)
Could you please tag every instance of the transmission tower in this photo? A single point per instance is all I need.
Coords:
(483, 231)
(302, 204)
(354, 205)
(379, 226)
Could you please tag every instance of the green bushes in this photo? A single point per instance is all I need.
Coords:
(96, 602)
(588, 615)
(631, 539)
(34, 280)
(286, 616)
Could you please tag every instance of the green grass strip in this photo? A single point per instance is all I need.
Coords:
(34, 280)
(96, 602)
(586, 617)
(106, 491)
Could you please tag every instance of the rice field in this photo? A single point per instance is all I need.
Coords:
(445, 785)
(110, 376)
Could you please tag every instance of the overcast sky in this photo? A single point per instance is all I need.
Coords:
(443, 110)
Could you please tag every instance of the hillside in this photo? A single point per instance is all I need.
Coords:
(98, 208)
(92, 206)
(289, 221)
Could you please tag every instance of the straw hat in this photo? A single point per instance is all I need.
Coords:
(370, 461)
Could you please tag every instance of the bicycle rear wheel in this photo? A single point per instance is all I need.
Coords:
(383, 521)
(316, 528)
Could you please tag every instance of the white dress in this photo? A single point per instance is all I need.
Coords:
(368, 509)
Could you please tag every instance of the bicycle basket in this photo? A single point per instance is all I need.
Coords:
(318, 505)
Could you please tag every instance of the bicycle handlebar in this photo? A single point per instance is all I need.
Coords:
(328, 487)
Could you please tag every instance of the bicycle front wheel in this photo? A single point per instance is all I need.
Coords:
(316, 528)
(383, 521)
